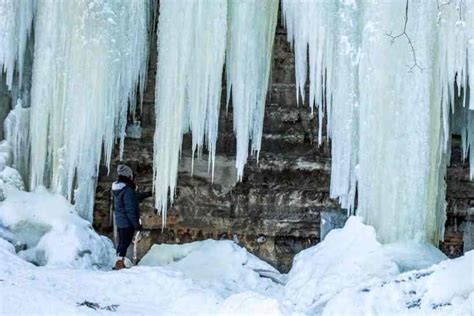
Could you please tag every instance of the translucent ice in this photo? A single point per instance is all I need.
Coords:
(191, 47)
(89, 57)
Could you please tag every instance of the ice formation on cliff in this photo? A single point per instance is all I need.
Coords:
(89, 58)
(191, 47)
(383, 73)
(15, 26)
(249, 57)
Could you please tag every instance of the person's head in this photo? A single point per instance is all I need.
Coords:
(125, 171)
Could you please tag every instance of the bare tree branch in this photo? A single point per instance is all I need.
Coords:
(416, 63)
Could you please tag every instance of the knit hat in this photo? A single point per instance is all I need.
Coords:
(124, 170)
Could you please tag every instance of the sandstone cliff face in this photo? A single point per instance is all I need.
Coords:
(282, 205)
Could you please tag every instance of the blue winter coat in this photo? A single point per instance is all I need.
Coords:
(126, 200)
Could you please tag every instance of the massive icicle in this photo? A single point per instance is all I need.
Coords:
(251, 34)
(343, 104)
(388, 95)
(401, 159)
(89, 56)
(191, 47)
(456, 47)
(15, 26)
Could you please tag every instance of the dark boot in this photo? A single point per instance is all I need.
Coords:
(119, 264)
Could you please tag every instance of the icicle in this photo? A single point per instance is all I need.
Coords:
(343, 113)
(85, 72)
(456, 21)
(310, 26)
(191, 47)
(383, 89)
(15, 27)
(251, 34)
(16, 128)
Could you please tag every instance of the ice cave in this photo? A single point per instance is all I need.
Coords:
(236, 157)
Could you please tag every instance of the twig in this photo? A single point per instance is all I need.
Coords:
(416, 64)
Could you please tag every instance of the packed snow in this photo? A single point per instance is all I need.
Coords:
(46, 230)
(348, 272)
(443, 289)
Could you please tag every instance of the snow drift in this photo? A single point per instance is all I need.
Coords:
(348, 257)
(47, 230)
(217, 264)
(349, 272)
(444, 289)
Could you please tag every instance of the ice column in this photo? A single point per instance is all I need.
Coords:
(85, 72)
(387, 95)
(401, 136)
(251, 34)
(191, 48)
(343, 103)
(16, 127)
(15, 26)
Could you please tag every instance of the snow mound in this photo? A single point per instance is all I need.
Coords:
(444, 289)
(10, 176)
(49, 232)
(219, 264)
(250, 303)
(344, 259)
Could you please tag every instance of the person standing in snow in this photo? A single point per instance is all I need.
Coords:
(127, 211)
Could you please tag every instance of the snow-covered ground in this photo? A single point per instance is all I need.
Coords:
(349, 273)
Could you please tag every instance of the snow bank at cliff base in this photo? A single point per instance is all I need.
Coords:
(46, 230)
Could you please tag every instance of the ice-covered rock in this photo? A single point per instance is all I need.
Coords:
(345, 258)
(444, 289)
(50, 231)
(12, 177)
(412, 255)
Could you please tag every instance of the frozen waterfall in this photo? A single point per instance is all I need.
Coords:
(192, 39)
(15, 27)
(251, 34)
(391, 78)
(191, 46)
(88, 60)
(383, 73)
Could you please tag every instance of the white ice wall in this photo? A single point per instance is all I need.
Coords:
(89, 57)
(388, 96)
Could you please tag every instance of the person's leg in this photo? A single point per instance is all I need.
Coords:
(128, 238)
(125, 239)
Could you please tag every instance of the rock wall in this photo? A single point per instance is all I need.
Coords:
(282, 205)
